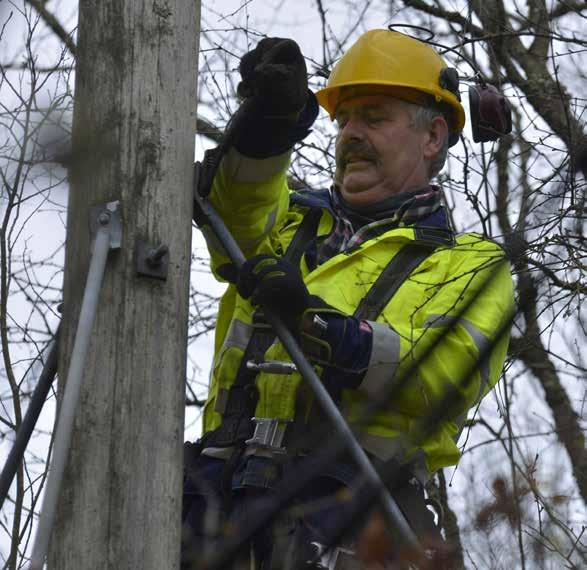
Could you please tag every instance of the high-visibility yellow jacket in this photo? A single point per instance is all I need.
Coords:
(464, 288)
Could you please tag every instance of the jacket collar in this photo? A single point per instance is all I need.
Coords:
(434, 228)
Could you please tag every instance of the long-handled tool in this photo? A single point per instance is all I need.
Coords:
(204, 214)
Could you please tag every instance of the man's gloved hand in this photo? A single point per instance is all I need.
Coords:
(280, 109)
(275, 74)
(276, 284)
(340, 342)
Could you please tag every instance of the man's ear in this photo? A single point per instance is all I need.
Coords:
(437, 135)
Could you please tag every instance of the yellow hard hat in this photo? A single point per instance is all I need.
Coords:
(400, 65)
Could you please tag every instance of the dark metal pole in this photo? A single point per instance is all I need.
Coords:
(30, 420)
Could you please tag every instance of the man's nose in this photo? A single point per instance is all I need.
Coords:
(353, 129)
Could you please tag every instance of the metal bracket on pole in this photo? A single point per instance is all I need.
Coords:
(107, 215)
(106, 228)
(208, 216)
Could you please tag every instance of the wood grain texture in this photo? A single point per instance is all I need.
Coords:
(133, 141)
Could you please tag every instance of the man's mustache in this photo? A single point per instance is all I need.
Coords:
(355, 149)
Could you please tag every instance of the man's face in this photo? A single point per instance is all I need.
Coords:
(378, 152)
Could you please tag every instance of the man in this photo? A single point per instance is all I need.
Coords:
(400, 316)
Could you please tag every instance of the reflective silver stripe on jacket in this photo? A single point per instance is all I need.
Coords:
(384, 359)
(482, 343)
(386, 448)
(246, 170)
(238, 335)
(269, 225)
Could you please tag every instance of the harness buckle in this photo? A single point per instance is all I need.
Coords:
(269, 434)
(272, 366)
(335, 558)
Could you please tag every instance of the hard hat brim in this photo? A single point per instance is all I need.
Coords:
(330, 97)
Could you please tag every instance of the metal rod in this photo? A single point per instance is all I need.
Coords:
(30, 420)
(71, 394)
(390, 509)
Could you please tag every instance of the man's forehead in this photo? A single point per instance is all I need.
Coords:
(367, 101)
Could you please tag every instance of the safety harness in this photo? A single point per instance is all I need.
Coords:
(237, 426)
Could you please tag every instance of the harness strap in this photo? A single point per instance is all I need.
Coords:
(391, 279)
(305, 233)
(236, 426)
(379, 295)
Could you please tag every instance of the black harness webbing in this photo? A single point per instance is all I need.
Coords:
(236, 426)
(391, 279)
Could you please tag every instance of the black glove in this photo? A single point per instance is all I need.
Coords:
(276, 284)
(340, 342)
(275, 74)
(282, 109)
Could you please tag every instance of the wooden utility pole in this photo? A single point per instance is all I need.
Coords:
(133, 141)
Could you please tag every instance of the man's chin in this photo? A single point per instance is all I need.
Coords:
(357, 183)
(359, 196)
(358, 190)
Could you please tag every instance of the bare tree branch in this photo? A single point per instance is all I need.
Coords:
(55, 25)
(568, 7)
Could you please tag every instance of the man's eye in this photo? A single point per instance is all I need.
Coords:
(373, 119)
(341, 121)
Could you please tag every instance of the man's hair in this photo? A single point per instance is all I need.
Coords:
(422, 117)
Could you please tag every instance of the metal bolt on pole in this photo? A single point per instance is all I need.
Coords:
(106, 225)
(157, 254)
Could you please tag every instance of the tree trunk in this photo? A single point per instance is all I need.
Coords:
(133, 141)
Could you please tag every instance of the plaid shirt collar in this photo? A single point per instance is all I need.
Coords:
(353, 226)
